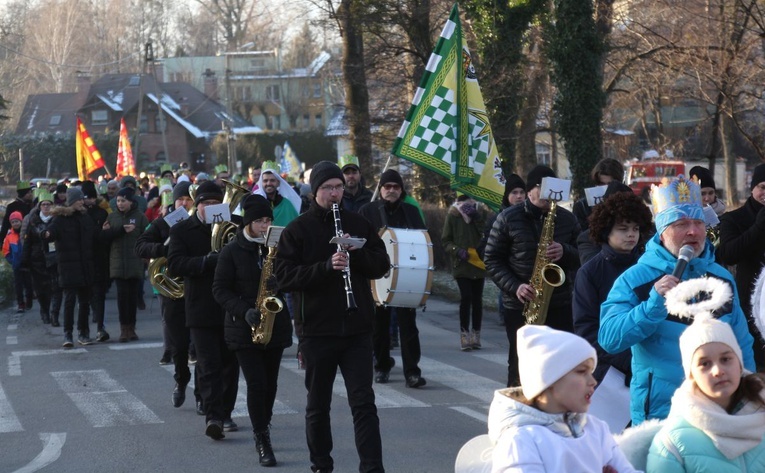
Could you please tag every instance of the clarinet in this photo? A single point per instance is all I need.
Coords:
(350, 301)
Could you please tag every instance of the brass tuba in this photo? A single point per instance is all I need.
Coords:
(546, 275)
(268, 304)
(224, 232)
(164, 284)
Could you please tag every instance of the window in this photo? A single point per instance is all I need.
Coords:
(99, 117)
(317, 90)
(272, 93)
(275, 122)
(135, 81)
(161, 158)
(160, 123)
(317, 120)
(257, 63)
(306, 121)
(55, 120)
(144, 128)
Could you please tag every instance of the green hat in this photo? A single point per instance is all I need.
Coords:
(220, 168)
(271, 166)
(348, 160)
(23, 185)
(165, 168)
(42, 195)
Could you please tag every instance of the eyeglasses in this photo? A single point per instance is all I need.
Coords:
(391, 187)
(337, 188)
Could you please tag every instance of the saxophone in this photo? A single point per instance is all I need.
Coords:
(268, 304)
(546, 275)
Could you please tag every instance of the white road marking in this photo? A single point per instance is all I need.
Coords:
(8, 420)
(52, 445)
(12, 327)
(135, 346)
(11, 340)
(480, 416)
(498, 358)
(103, 401)
(457, 379)
(14, 359)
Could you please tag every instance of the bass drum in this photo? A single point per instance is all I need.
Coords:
(408, 282)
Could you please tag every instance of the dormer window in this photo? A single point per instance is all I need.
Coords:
(135, 81)
(55, 120)
(99, 117)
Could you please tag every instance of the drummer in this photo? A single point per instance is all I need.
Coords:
(391, 211)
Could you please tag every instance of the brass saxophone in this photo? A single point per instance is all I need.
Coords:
(546, 275)
(268, 304)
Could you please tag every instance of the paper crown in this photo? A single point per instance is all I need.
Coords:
(676, 199)
(271, 166)
(42, 194)
(102, 187)
(348, 160)
(22, 185)
(165, 168)
(220, 168)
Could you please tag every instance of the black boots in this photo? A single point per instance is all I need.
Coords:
(263, 445)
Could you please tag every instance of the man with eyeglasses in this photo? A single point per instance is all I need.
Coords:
(330, 336)
(190, 257)
(356, 195)
(392, 211)
(285, 202)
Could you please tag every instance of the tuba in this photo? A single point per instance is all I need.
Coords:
(268, 304)
(546, 275)
(224, 232)
(164, 284)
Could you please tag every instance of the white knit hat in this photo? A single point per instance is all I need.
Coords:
(545, 355)
(703, 331)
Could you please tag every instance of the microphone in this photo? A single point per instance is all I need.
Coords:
(686, 253)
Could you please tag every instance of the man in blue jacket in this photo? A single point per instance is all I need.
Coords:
(635, 316)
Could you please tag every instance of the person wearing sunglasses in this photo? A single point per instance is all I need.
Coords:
(391, 211)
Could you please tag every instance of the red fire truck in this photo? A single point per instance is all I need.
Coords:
(642, 174)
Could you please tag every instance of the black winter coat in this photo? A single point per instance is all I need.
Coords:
(593, 283)
(742, 243)
(397, 215)
(512, 249)
(35, 250)
(189, 257)
(74, 235)
(102, 247)
(151, 243)
(354, 203)
(304, 268)
(18, 205)
(236, 287)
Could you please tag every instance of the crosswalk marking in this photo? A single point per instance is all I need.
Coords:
(458, 379)
(480, 416)
(498, 358)
(11, 340)
(103, 401)
(14, 360)
(8, 420)
(135, 346)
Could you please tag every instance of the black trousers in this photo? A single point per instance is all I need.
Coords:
(81, 296)
(471, 297)
(353, 355)
(409, 337)
(261, 371)
(98, 302)
(22, 282)
(217, 372)
(43, 281)
(557, 318)
(127, 299)
(177, 336)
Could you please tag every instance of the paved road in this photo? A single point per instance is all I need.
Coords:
(107, 407)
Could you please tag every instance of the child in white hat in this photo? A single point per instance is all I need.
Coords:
(717, 419)
(543, 426)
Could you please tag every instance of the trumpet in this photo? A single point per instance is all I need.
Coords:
(350, 301)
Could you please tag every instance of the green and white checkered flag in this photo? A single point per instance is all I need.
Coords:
(447, 127)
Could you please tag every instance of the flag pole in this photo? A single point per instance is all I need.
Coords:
(377, 187)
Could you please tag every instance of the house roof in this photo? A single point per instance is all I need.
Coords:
(201, 116)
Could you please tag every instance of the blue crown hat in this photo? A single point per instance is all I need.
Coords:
(674, 200)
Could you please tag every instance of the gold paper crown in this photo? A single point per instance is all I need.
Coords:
(42, 194)
(348, 160)
(674, 192)
(271, 166)
(220, 168)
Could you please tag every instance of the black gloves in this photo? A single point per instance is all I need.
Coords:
(252, 316)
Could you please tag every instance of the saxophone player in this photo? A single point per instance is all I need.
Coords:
(330, 336)
(238, 277)
(511, 253)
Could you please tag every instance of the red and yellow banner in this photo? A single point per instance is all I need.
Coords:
(125, 161)
(88, 157)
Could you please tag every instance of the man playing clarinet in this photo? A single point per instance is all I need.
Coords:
(332, 336)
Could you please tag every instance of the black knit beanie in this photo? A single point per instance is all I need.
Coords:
(88, 188)
(536, 175)
(256, 206)
(126, 193)
(181, 190)
(324, 171)
(208, 190)
(391, 176)
(758, 175)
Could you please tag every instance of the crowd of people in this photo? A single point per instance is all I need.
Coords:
(68, 244)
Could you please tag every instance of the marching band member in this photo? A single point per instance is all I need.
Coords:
(238, 281)
(332, 337)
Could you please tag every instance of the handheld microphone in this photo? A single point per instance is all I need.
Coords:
(683, 258)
